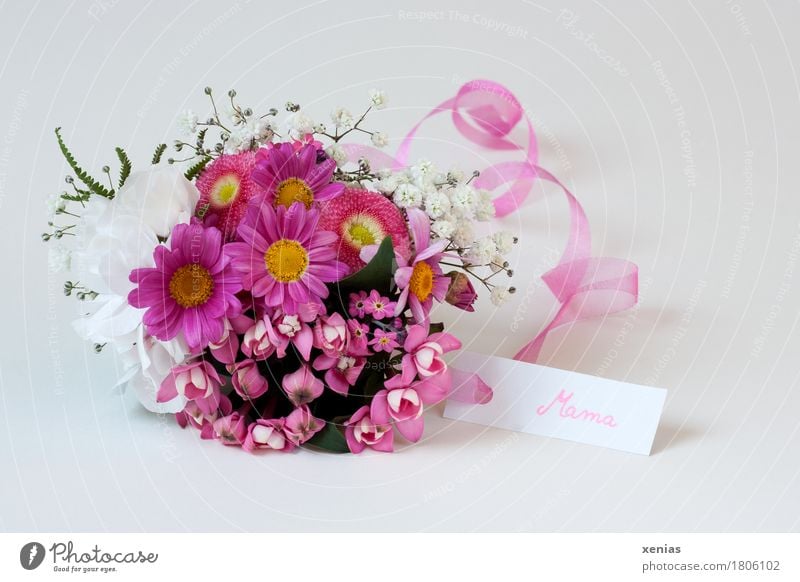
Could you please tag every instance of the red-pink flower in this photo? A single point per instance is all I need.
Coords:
(301, 386)
(192, 288)
(284, 329)
(361, 431)
(331, 335)
(283, 257)
(290, 174)
(357, 346)
(256, 342)
(384, 341)
(461, 293)
(191, 414)
(197, 381)
(403, 407)
(423, 355)
(378, 306)
(266, 434)
(301, 425)
(247, 380)
(342, 371)
(226, 188)
(231, 429)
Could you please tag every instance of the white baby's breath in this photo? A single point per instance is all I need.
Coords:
(379, 139)
(377, 98)
(499, 295)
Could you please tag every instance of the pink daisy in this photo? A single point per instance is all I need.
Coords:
(225, 189)
(420, 277)
(356, 307)
(284, 258)
(290, 175)
(192, 288)
(362, 218)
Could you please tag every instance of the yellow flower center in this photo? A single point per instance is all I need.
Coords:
(293, 190)
(361, 235)
(421, 283)
(191, 285)
(286, 260)
(225, 190)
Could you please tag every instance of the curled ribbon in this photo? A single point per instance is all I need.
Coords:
(585, 286)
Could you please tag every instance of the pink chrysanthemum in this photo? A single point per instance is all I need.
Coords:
(361, 218)
(290, 175)
(191, 289)
(225, 188)
(284, 257)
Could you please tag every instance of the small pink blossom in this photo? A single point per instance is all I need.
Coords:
(378, 306)
(361, 432)
(330, 334)
(461, 293)
(266, 434)
(358, 338)
(197, 381)
(383, 341)
(403, 407)
(247, 380)
(423, 355)
(356, 308)
(342, 370)
(192, 415)
(256, 342)
(302, 386)
(301, 425)
(284, 329)
(231, 429)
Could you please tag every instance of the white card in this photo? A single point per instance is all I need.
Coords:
(557, 403)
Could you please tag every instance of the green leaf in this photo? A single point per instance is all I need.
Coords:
(377, 274)
(436, 328)
(330, 439)
(93, 185)
(125, 166)
(192, 172)
(160, 149)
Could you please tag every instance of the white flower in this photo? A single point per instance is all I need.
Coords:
(482, 251)
(377, 98)
(386, 185)
(497, 263)
(187, 122)
(464, 235)
(159, 198)
(436, 203)
(299, 124)
(342, 118)
(504, 241)
(499, 295)
(58, 258)
(407, 196)
(462, 199)
(150, 361)
(456, 174)
(484, 207)
(423, 173)
(337, 154)
(379, 139)
(55, 204)
(443, 228)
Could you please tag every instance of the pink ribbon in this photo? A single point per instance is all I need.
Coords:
(485, 113)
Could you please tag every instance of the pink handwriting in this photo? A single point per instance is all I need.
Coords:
(573, 413)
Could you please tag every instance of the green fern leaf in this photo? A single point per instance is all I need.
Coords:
(92, 184)
(192, 172)
(125, 166)
(160, 149)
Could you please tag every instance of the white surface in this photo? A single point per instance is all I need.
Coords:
(550, 402)
(688, 168)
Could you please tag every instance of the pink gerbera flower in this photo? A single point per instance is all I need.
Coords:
(284, 258)
(362, 218)
(192, 288)
(420, 277)
(290, 175)
(225, 189)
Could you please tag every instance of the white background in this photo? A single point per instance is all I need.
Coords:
(701, 192)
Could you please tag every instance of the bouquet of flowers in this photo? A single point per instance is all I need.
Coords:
(272, 289)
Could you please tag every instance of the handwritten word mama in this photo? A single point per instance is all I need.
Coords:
(566, 410)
